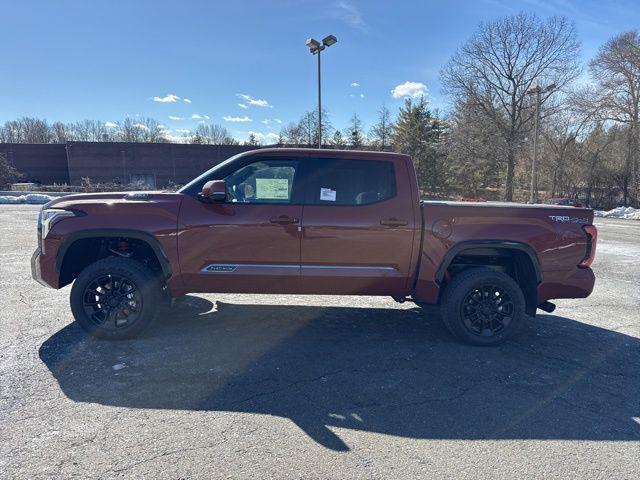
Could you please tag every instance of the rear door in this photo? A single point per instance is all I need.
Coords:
(250, 242)
(358, 227)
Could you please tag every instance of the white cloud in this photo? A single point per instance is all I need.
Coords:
(111, 124)
(173, 117)
(197, 116)
(409, 89)
(268, 121)
(171, 98)
(242, 105)
(349, 14)
(183, 130)
(244, 119)
(177, 138)
(187, 100)
(140, 126)
(269, 136)
(362, 95)
(254, 101)
(163, 127)
(355, 84)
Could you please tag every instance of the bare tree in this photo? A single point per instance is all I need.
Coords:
(496, 67)
(338, 140)
(292, 134)
(616, 71)
(212, 134)
(27, 130)
(355, 132)
(140, 130)
(89, 131)
(382, 130)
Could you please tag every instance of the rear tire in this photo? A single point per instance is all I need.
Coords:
(482, 306)
(115, 298)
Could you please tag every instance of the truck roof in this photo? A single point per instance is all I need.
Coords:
(324, 153)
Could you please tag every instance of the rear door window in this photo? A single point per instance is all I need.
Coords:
(349, 182)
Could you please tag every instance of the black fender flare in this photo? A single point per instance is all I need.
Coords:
(115, 233)
(504, 244)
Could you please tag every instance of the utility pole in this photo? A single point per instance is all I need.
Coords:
(319, 104)
(315, 47)
(536, 90)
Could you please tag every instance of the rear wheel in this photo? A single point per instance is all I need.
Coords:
(482, 306)
(115, 298)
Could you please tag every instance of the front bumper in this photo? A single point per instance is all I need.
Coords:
(43, 269)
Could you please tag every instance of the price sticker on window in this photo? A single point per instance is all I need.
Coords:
(272, 188)
(327, 194)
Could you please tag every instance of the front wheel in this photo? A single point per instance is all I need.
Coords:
(115, 298)
(482, 306)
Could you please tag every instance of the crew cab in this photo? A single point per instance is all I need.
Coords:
(305, 221)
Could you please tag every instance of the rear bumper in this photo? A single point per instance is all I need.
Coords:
(578, 283)
(43, 269)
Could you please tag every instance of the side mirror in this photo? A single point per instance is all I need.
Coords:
(214, 190)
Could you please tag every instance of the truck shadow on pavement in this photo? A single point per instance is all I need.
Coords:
(390, 371)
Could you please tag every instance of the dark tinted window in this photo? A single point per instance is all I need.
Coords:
(350, 182)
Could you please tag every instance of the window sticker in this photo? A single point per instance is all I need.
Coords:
(272, 188)
(327, 195)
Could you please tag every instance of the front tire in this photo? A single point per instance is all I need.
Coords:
(482, 306)
(115, 298)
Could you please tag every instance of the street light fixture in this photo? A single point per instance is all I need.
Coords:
(536, 90)
(315, 47)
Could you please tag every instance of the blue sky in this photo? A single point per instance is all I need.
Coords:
(69, 60)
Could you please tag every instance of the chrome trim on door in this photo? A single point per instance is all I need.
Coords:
(232, 267)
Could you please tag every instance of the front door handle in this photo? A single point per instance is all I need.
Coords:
(393, 222)
(284, 220)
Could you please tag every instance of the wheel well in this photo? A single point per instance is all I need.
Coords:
(85, 251)
(516, 263)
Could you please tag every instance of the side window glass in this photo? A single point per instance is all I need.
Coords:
(264, 181)
(351, 182)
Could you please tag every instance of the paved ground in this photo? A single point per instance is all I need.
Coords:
(318, 387)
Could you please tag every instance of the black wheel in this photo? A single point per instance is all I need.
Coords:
(115, 298)
(482, 306)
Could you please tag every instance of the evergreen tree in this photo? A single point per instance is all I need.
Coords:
(419, 134)
(252, 140)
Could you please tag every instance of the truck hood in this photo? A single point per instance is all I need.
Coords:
(115, 200)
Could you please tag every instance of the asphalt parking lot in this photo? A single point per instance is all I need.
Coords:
(250, 386)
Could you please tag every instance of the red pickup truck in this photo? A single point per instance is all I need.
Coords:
(302, 221)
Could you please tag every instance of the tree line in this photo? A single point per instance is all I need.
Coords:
(511, 74)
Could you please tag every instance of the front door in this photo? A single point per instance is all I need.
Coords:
(358, 228)
(251, 242)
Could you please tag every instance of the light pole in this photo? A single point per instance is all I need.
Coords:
(315, 47)
(536, 90)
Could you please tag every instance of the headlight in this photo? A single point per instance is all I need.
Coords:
(49, 217)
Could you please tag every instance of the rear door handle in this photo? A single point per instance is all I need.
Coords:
(284, 220)
(393, 222)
